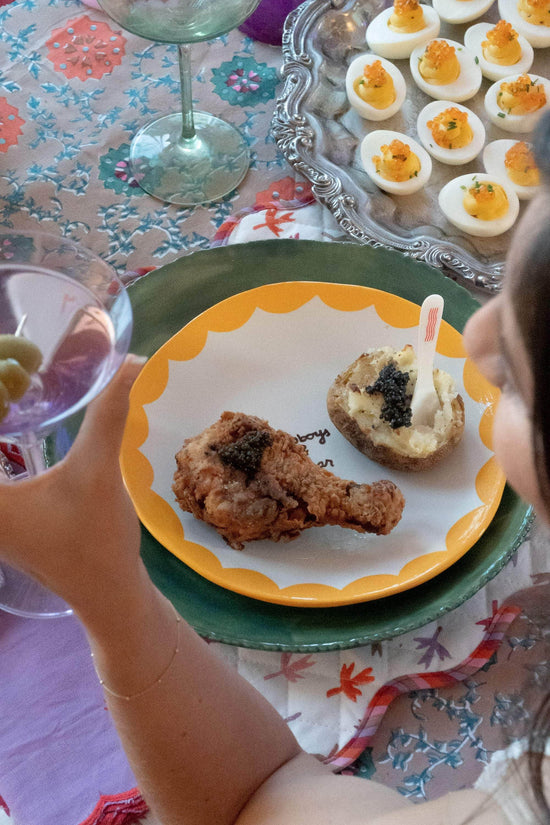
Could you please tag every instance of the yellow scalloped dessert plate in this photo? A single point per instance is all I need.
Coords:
(273, 351)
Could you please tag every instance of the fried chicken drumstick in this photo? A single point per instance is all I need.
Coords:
(253, 482)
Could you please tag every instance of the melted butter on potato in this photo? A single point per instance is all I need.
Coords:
(366, 407)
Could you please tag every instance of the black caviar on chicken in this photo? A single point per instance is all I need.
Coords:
(246, 453)
(392, 383)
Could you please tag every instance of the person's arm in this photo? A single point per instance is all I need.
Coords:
(206, 748)
(202, 739)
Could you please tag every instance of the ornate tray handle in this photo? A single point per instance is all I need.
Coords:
(297, 139)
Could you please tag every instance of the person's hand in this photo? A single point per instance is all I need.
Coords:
(74, 527)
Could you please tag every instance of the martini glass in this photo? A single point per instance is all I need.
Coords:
(69, 303)
(188, 157)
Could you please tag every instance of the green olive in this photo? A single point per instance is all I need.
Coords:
(4, 401)
(15, 379)
(22, 350)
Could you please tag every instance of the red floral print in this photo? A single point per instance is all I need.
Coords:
(10, 125)
(285, 192)
(291, 669)
(349, 682)
(274, 221)
(243, 81)
(85, 48)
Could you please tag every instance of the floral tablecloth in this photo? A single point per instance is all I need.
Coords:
(74, 89)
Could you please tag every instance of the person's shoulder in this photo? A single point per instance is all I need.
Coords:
(305, 792)
(467, 806)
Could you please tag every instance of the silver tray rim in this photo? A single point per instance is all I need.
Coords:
(296, 138)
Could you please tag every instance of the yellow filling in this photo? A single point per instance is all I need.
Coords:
(520, 165)
(439, 64)
(407, 17)
(521, 96)
(450, 129)
(536, 12)
(375, 86)
(397, 162)
(502, 46)
(486, 201)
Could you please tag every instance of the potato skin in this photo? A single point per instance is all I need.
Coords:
(381, 453)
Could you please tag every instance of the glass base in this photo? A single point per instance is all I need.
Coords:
(189, 171)
(23, 596)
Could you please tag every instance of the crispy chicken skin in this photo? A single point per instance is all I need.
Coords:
(253, 482)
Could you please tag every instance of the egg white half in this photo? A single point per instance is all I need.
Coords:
(474, 37)
(538, 36)
(395, 45)
(493, 161)
(514, 123)
(451, 204)
(367, 111)
(461, 11)
(370, 147)
(463, 88)
(453, 157)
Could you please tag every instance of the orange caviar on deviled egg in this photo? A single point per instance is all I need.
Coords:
(502, 45)
(450, 128)
(515, 103)
(520, 165)
(486, 201)
(445, 70)
(397, 30)
(515, 160)
(531, 18)
(450, 132)
(521, 96)
(375, 87)
(439, 63)
(407, 17)
(395, 162)
(479, 204)
(500, 49)
(534, 11)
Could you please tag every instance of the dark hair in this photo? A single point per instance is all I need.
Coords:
(531, 298)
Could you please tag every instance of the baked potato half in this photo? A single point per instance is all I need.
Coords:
(369, 403)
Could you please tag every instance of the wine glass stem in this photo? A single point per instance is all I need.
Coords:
(188, 125)
(32, 450)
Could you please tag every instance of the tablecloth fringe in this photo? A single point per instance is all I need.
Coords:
(118, 809)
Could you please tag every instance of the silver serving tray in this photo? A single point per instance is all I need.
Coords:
(320, 134)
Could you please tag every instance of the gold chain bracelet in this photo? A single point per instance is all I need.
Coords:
(153, 684)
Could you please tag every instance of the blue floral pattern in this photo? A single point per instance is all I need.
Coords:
(68, 171)
(244, 82)
(114, 170)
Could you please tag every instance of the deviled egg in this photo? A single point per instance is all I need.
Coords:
(516, 102)
(480, 204)
(499, 49)
(396, 31)
(395, 162)
(461, 11)
(513, 160)
(530, 18)
(445, 70)
(451, 133)
(375, 87)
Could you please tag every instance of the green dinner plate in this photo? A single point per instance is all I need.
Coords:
(168, 298)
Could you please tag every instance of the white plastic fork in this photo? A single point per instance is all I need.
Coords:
(425, 401)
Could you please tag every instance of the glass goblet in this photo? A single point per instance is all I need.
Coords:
(69, 303)
(189, 157)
